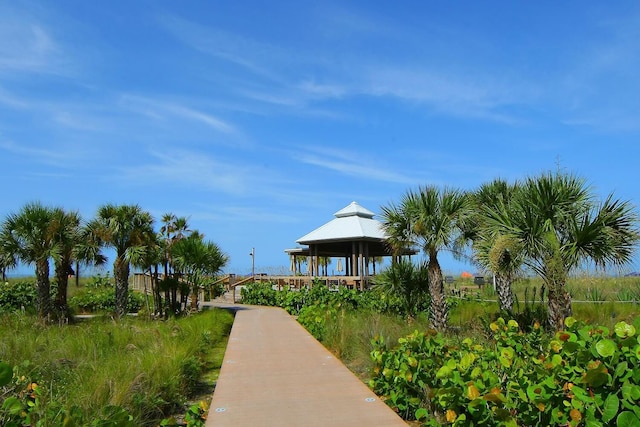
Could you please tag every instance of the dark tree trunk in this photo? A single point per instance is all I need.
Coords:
(438, 310)
(44, 289)
(121, 275)
(62, 281)
(77, 275)
(157, 298)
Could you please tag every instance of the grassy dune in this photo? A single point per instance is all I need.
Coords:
(150, 368)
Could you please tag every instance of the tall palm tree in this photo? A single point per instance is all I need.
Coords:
(559, 225)
(493, 251)
(27, 236)
(434, 219)
(127, 229)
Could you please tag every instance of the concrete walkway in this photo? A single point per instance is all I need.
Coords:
(275, 373)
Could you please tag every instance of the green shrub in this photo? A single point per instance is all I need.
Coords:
(17, 296)
(103, 299)
(259, 294)
(293, 301)
(585, 375)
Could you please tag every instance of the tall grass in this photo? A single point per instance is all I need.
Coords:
(149, 368)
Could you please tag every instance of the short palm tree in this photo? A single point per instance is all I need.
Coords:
(28, 237)
(555, 220)
(434, 219)
(128, 229)
(408, 281)
(493, 251)
(198, 260)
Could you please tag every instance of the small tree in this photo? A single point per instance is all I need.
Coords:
(128, 229)
(407, 281)
(28, 236)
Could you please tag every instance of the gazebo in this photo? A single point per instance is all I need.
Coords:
(353, 236)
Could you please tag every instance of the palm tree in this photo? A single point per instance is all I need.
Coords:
(28, 237)
(66, 230)
(173, 230)
(301, 259)
(128, 229)
(408, 281)
(493, 251)
(559, 226)
(434, 219)
(324, 261)
(376, 260)
(7, 261)
(88, 251)
(198, 260)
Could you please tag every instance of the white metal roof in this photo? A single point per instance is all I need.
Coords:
(352, 222)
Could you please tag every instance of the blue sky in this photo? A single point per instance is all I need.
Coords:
(259, 120)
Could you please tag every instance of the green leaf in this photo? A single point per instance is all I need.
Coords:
(6, 373)
(606, 348)
(596, 377)
(444, 372)
(12, 405)
(624, 330)
(627, 419)
(636, 350)
(622, 369)
(569, 322)
(421, 413)
(610, 408)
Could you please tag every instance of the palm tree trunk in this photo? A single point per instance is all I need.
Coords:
(44, 292)
(505, 294)
(438, 310)
(77, 274)
(121, 275)
(559, 306)
(157, 298)
(62, 281)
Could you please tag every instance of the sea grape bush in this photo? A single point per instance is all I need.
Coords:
(103, 299)
(17, 296)
(293, 301)
(582, 376)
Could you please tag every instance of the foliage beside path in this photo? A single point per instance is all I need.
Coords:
(585, 375)
(133, 372)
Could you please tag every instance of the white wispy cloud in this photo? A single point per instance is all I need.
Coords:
(27, 43)
(54, 156)
(349, 163)
(251, 55)
(188, 168)
(160, 110)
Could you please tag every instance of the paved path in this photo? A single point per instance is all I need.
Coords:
(275, 373)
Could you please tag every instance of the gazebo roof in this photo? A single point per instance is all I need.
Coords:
(351, 223)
